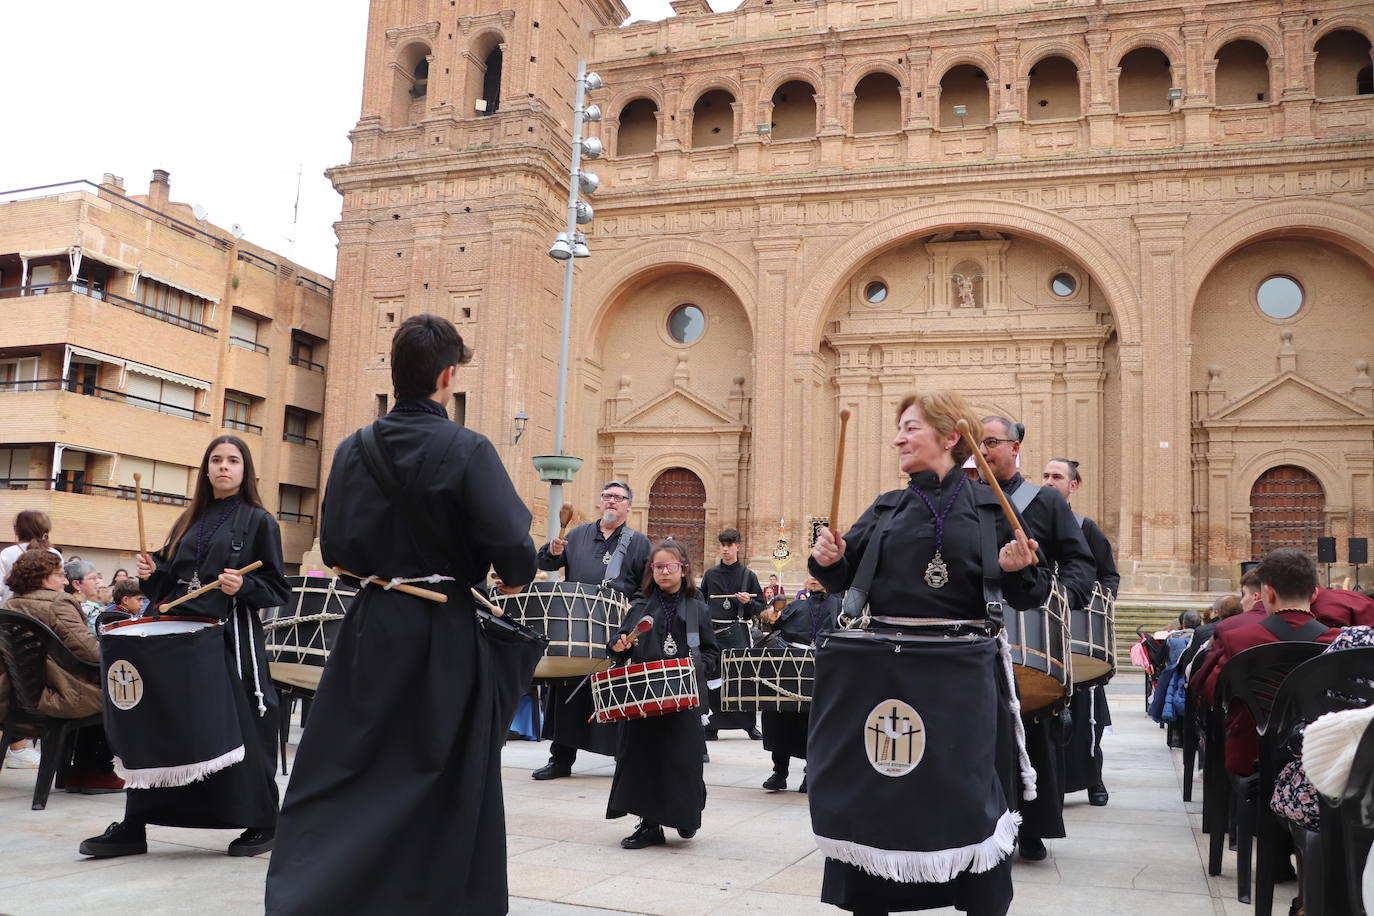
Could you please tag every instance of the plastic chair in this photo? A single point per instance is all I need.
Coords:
(1254, 677)
(25, 646)
(1356, 810)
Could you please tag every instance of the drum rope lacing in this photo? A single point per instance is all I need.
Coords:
(253, 652)
(780, 689)
(1028, 774)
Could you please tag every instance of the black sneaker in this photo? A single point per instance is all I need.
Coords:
(776, 783)
(802, 788)
(645, 835)
(686, 834)
(551, 770)
(1097, 796)
(754, 734)
(251, 842)
(1033, 848)
(119, 839)
(713, 735)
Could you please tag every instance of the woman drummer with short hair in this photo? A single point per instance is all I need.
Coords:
(940, 547)
(225, 528)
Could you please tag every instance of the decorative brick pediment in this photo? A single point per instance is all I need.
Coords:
(680, 410)
(1287, 398)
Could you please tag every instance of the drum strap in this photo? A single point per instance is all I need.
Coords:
(856, 596)
(1024, 495)
(992, 570)
(383, 469)
(617, 561)
(1307, 631)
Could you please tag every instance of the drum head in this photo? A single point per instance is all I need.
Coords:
(1087, 669)
(1038, 690)
(161, 626)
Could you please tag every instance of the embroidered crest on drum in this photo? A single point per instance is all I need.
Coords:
(124, 685)
(894, 738)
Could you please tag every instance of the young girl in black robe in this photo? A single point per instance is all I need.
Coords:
(224, 528)
(658, 765)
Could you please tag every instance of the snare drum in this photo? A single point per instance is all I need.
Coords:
(299, 634)
(773, 679)
(170, 714)
(578, 619)
(1092, 640)
(1039, 639)
(644, 690)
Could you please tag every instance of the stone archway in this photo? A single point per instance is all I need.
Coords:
(677, 507)
(1287, 509)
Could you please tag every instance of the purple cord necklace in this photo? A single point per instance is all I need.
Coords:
(937, 573)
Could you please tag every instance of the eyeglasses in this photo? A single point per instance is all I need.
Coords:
(667, 567)
(613, 498)
(991, 441)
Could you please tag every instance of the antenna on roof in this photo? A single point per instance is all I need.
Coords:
(237, 231)
(296, 211)
(200, 213)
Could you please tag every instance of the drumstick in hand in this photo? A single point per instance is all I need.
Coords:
(138, 503)
(986, 473)
(207, 588)
(565, 516)
(646, 623)
(839, 473)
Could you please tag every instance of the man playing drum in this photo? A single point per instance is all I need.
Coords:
(912, 746)
(1049, 521)
(395, 802)
(1089, 711)
(604, 551)
(733, 594)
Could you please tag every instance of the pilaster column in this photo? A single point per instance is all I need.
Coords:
(1296, 94)
(1099, 110)
(778, 269)
(1193, 80)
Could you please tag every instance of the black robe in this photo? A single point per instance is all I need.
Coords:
(568, 701)
(1091, 715)
(798, 625)
(1049, 520)
(658, 766)
(899, 589)
(245, 794)
(729, 620)
(395, 803)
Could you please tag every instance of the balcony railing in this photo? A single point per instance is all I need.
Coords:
(242, 426)
(25, 483)
(306, 363)
(300, 440)
(92, 489)
(76, 386)
(297, 517)
(247, 344)
(86, 289)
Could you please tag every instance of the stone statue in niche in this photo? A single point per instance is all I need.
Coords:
(963, 286)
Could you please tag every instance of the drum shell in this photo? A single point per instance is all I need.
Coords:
(298, 636)
(1039, 643)
(1092, 641)
(643, 690)
(578, 619)
(767, 679)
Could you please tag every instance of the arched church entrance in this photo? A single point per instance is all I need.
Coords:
(677, 507)
(1287, 509)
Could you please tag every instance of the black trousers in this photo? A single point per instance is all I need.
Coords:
(92, 751)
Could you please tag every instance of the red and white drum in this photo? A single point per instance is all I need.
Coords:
(644, 690)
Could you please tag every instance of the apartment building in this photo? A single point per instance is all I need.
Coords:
(132, 332)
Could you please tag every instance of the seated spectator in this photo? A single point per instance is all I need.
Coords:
(1288, 584)
(31, 529)
(1251, 611)
(1339, 607)
(85, 583)
(1223, 608)
(129, 597)
(119, 576)
(37, 580)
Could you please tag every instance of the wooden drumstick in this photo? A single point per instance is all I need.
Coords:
(731, 595)
(986, 472)
(418, 592)
(646, 623)
(565, 517)
(839, 472)
(207, 588)
(482, 599)
(138, 503)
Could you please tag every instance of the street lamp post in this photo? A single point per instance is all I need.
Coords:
(557, 469)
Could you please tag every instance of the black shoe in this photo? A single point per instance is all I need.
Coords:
(645, 835)
(1033, 848)
(776, 783)
(713, 735)
(705, 757)
(802, 788)
(754, 733)
(119, 839)
(1097, 796)
(686, 834)
(252, 842)
(551, 770)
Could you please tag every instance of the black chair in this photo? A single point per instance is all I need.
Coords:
(1192, 717)
(1254, 677)
(1158, 654)
(105, 617)
(25, 646)
(287, 695)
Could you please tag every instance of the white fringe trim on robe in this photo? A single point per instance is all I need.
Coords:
(934, 867)
(172, 777)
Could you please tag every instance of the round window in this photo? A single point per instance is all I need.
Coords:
(1064, 285)
(686, 323)
(875, 292)
(1279, 297)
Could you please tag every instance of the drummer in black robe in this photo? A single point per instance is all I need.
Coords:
(395, 802)
(658, 764)
(605, 551)
(733, 594)
(930, 567)
(798, 625)
(223, 529)
(1088, 710)
(1050, 521)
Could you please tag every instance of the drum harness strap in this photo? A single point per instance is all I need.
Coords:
(237, 536)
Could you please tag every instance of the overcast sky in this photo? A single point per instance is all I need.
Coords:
(235, 100)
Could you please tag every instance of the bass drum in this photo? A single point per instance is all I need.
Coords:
(299, 634)
(1039, 641)
(578, 619)
(1092, 640)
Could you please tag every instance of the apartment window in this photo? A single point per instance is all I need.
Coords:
(243, 331)
(303, 353)
(163, 482)
(296, 428)
(172, 305)
(160, 395)
(14, 468)
(294, 504)
(238, 413)
(19, 374)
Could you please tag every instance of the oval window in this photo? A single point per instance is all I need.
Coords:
(1064, 285)
(686, 324)
(875, 292)
(1279, 297)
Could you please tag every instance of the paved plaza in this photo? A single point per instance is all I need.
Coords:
(1143, 853)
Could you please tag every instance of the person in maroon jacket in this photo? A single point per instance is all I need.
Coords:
(1288, 586)
(1339, 607)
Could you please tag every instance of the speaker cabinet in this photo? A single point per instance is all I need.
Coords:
(1326, 550)
(1359, 550)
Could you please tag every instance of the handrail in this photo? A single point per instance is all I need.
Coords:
(85, 289)
(156, 497)
(76, 386)
(305, 363)
(300, 440)
(242, 426)
(247, 344)
(299, 517)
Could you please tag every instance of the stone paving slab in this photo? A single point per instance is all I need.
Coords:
(1144, 852)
